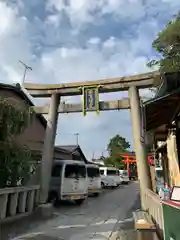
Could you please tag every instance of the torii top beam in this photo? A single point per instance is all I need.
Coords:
(106, 85)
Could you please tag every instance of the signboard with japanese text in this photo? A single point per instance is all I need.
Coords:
(90, 99)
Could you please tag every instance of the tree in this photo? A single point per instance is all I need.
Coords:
(167, 44)
(15, 160)
(117, 145)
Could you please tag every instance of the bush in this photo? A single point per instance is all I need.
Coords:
(15, 160)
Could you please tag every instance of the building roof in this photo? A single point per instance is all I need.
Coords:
(169, 83)
(161, 111)
(71, 149)
(17, 89)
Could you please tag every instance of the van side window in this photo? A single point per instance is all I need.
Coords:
(81, 171)
(56, 171)
(93, 172)
(111, 172)
(70, 171)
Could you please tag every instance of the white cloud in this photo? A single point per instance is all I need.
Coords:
(93, 58)
(81, 12)
(110, 59)
(14, 44)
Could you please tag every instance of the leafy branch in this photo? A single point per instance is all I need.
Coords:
(15, 160)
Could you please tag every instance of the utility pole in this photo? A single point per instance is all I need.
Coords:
(77, 138)
(26, 67)
(93, 157)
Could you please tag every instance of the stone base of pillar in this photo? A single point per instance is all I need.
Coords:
(45, 210)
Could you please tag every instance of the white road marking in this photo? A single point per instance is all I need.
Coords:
(104, 234)
(71, 226)
(27, 235)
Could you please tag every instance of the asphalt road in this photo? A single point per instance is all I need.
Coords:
(96, 219)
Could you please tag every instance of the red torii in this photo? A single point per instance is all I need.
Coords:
(131, 158)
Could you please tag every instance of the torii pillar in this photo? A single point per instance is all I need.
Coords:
(48, 148)
(141, 156)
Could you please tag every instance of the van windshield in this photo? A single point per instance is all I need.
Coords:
(75, 171)
(111, 172)
(93, 172)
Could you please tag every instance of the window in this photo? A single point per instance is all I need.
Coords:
(102, 172)
(111, 172)
(81, 171)
(93, 172)
(56, 171)
(75, 171)
(70, 171)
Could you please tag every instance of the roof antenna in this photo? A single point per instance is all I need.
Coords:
(26, 67)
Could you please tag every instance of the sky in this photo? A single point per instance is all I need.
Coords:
(80, 40)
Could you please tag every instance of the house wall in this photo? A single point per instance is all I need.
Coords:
(34, 135)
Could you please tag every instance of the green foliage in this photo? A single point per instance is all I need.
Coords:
(15, 160)
(167, 44)
(117, 145)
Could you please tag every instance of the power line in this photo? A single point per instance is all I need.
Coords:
(26, 67)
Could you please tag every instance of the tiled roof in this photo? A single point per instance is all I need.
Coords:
(18, 90)
(70, 148)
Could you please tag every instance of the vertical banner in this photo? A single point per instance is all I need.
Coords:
(142, 122)
(90, 99)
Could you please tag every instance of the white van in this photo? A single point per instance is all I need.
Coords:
(68, 181)
(124, 176)
(94, 179)
(109, 177)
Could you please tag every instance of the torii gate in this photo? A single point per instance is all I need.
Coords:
(132, 84)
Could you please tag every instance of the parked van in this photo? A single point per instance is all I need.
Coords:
(68, 181)
(109, 177)
(94, 179)
(124, 176)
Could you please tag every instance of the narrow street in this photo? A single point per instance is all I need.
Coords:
(97, 218)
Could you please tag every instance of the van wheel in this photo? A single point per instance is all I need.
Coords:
(79, 201)
(96, 194)
(102, 185)
(53, 198)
